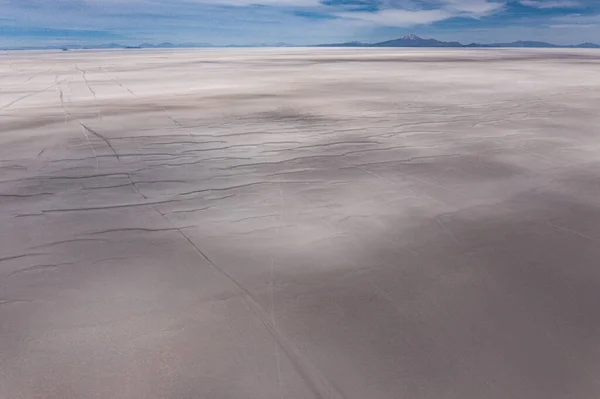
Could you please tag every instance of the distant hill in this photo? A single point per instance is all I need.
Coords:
(588, 45)
(161, 45)
(519, 43)
(348, 44)
(164, 45)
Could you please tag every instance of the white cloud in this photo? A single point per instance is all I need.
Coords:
(439, 11)
(401, 18)
(571, 26)
(577, 19)
(181, 3)
(472, 8)
(279, 3)
(551, 3)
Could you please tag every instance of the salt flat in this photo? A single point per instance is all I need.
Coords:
(300, 223)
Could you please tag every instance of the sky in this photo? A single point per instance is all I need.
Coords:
(244, 22)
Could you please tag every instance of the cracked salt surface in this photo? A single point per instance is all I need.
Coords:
(300, 223)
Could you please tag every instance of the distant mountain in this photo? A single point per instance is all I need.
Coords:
(416, 41)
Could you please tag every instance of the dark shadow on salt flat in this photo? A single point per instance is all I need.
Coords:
(490, 303)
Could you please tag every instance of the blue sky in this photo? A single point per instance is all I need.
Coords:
(33, 22)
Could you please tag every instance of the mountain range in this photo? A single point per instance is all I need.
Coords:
(406, 41)
(416, 41)
(164, 45)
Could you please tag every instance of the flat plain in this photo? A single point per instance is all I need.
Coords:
(300, 223)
